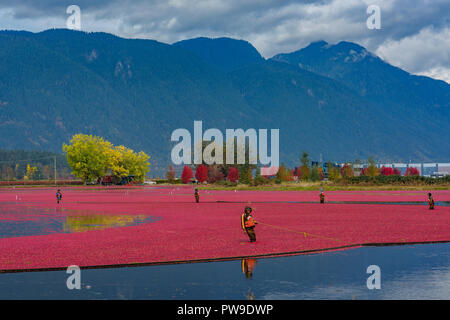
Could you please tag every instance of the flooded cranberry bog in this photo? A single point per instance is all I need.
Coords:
(142, 242)
(123, 227)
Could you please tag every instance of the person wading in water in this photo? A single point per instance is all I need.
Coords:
(430, 201)
(197, 195)
(322, 196)
(248, 224)
(58, 196)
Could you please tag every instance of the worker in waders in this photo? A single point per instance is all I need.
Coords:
(248, 224)
(430, 201)
(322, 196)
(197, 195)
(58, 196)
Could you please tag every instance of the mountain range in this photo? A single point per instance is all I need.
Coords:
(335, 100)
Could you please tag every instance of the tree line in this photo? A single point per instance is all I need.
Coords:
(352, 173)
(32, 165)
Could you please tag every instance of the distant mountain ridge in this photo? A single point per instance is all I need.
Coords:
(224, 53)
(340, 100)
(370, 76)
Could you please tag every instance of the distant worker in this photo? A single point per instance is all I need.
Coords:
(197, 195)
(58, 196)
(248, 224)
(248, 265)
(322, 196)
(430, 201)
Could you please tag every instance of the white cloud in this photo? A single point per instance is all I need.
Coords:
(441, 73)
(427, 53)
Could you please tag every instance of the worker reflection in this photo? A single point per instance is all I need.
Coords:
(248, 265)
(250, 295)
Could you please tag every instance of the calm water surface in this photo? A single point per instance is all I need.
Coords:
(25, 220)
(407, 272)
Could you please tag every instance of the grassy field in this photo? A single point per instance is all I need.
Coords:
(286, 186)
(327, 186)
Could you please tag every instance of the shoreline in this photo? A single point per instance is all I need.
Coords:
(221, 259)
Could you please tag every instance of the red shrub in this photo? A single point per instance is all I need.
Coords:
(201, 174)
(412, 171)
(233, 174)
(302, 174)
(386, 171)
(187, 174)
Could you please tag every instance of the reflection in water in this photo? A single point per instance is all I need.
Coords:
(250, 295)
(19, 221)
(248, 265)
(100, 222)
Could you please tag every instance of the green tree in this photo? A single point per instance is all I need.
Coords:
(305, 167)
(9, 173)
(260, 180)
(17, 171)
(314, 176)
(132, 163)
(321, 175)
(47, 172)
(347, 170)
(333, 173)
(91, 157)
(170, 174)
(88, 156)
(31, 172)
(245, 174)
(372, 170)
(284, 174)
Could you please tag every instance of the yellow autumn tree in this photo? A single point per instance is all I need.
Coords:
(87, 156)
(31, 172)
(91, 157)
(334, 174)
(131, 163)
(372, 170)
(284, 174)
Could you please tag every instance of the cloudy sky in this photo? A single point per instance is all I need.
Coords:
(414, 34)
